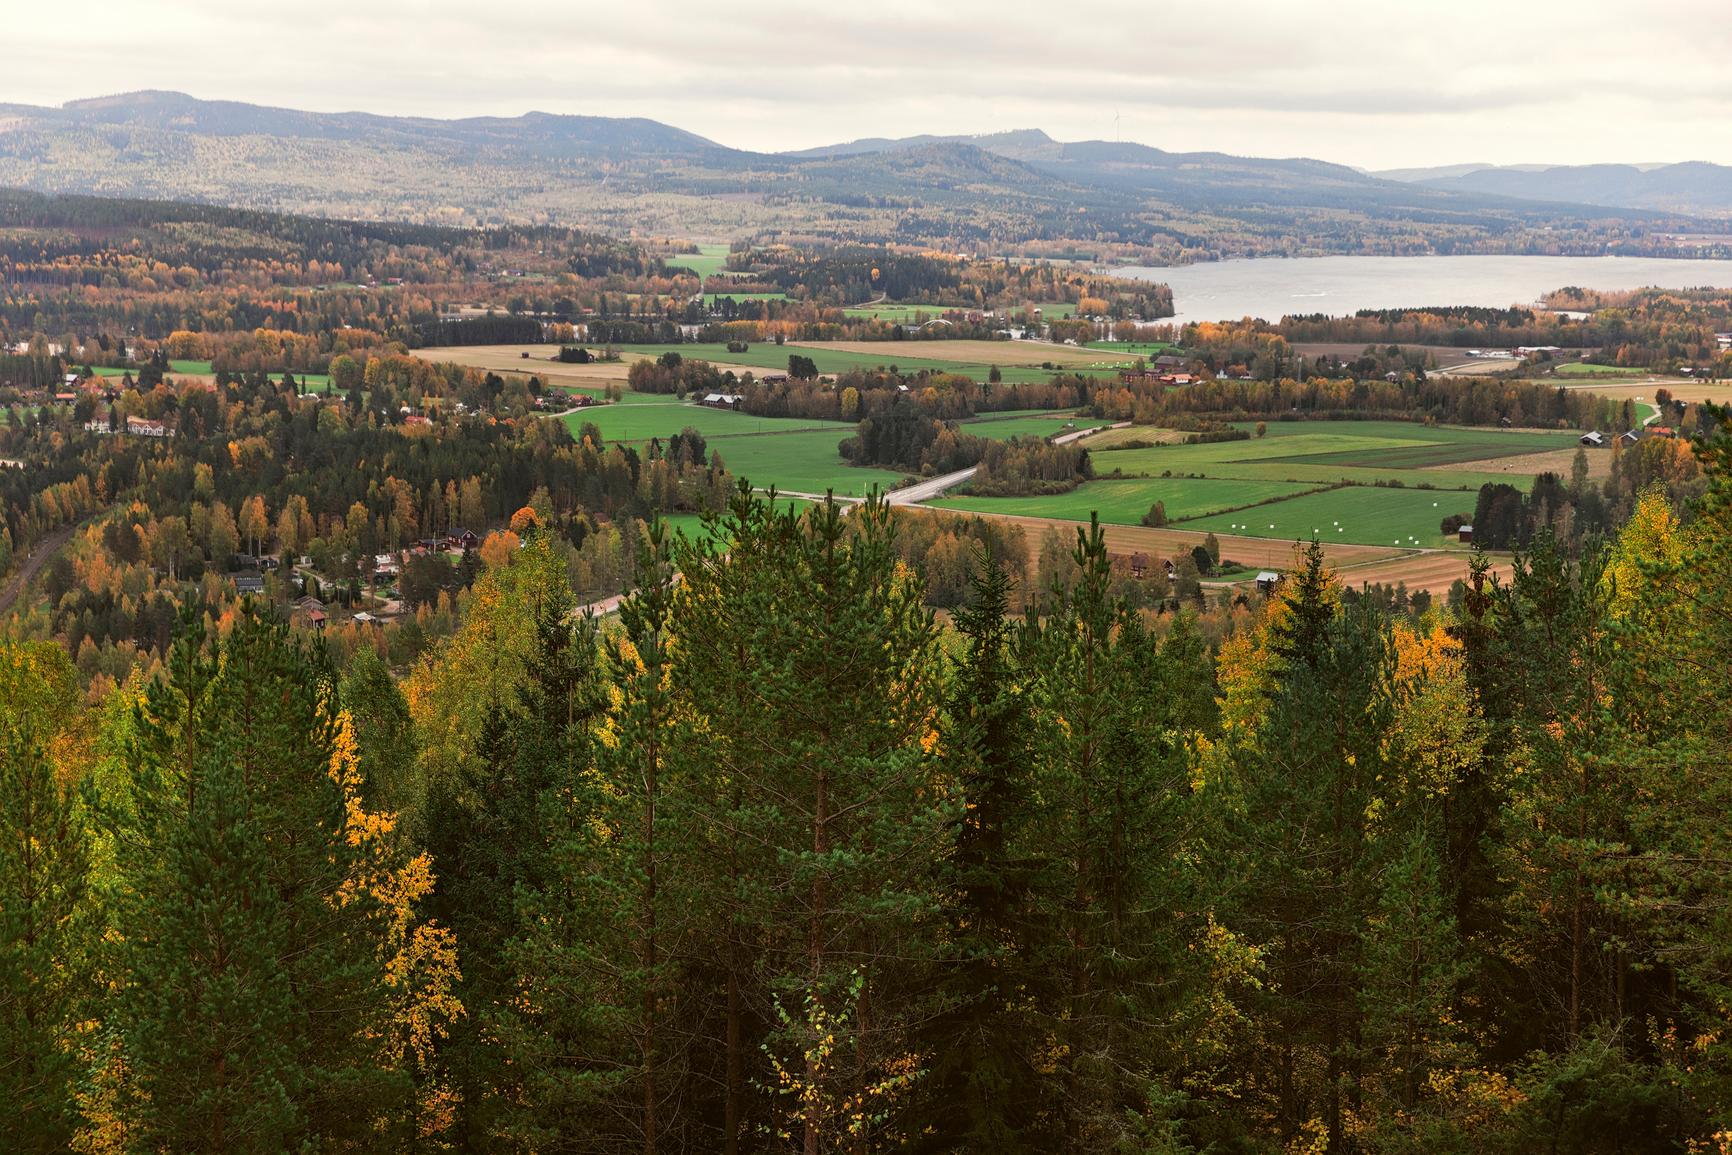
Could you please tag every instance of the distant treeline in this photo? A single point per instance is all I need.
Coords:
(1453, 400)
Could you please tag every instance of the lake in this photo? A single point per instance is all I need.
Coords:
(1271, 288)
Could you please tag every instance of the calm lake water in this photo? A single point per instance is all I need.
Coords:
(1277, 287)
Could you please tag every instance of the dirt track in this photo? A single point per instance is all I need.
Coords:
(39, 557)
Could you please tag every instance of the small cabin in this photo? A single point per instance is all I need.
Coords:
(1465, 535)
(1592, 439)
(1268, 580)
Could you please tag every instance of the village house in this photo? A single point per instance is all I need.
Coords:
(1268, 580)
(722, 400)
(459, 538)
(247, 584)
(145, 427)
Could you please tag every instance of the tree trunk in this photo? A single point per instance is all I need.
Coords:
(815, 943)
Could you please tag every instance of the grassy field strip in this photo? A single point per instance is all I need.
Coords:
(642, 420)
(1125, 502)
(801, 462)
(1004, 428)
(1399, 518)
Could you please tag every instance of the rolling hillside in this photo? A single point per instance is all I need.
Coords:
(1016, 191)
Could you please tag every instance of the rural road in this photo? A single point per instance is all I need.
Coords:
(45, 549)
(934, 487)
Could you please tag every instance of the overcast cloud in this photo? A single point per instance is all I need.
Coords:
(1378, 84)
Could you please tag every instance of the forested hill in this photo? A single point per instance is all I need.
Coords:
(1692, 187)
(41, 231)
(1017, 190)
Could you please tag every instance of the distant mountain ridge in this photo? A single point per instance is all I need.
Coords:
(1694, 187)
(1017, 191)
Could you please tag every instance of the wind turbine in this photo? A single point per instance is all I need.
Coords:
(1117, 136)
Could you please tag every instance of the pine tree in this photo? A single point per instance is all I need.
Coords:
(830, 752)
(593, 1029)
(982, 1092)
(279, 988)
(1302, 844)
(1113, 789)
(500, 710)
(44, 952)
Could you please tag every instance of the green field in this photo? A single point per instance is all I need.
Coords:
(645, 415)
(1027, 425)
(1359, 515)
(1288, 468)
(710, 299)
(789, 453)
(896, 313)
(317, 382)
(707, 262)
(774, 358)
(1585, 369)
(1133, 348)
(1321, 452)
(799, 462)
(1125, 502)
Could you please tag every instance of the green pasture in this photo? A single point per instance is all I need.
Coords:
(1358, 515)
(708, 261)
(1132, 349)
(898, 313)
(710, 299)
(1125, 502)
(1048, 425)
(1587, 369)
(1322, 452)
(773, 358)
(316, 382)
(649, 415)
(800, 462)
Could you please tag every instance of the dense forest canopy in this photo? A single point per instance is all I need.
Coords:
(779, 861)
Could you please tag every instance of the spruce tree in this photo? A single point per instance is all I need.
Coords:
(44, 947)
(982, 1092)
(593, 1031)
(817, 694)
(275, 976)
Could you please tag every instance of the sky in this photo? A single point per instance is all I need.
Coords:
(1395, 83)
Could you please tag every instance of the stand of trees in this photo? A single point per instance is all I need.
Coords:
(779, 863)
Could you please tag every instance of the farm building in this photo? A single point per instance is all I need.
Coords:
(248, 583)
(460, 538)
(1630, 437)
(723, 400)
(1593, 440)
(1465, 534)
(1267, 580)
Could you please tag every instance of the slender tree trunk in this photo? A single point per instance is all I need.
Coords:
(815, 941)
(731, 1103)
(650, 982)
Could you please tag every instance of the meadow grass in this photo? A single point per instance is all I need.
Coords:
(1358, 515)
(1126, 502)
